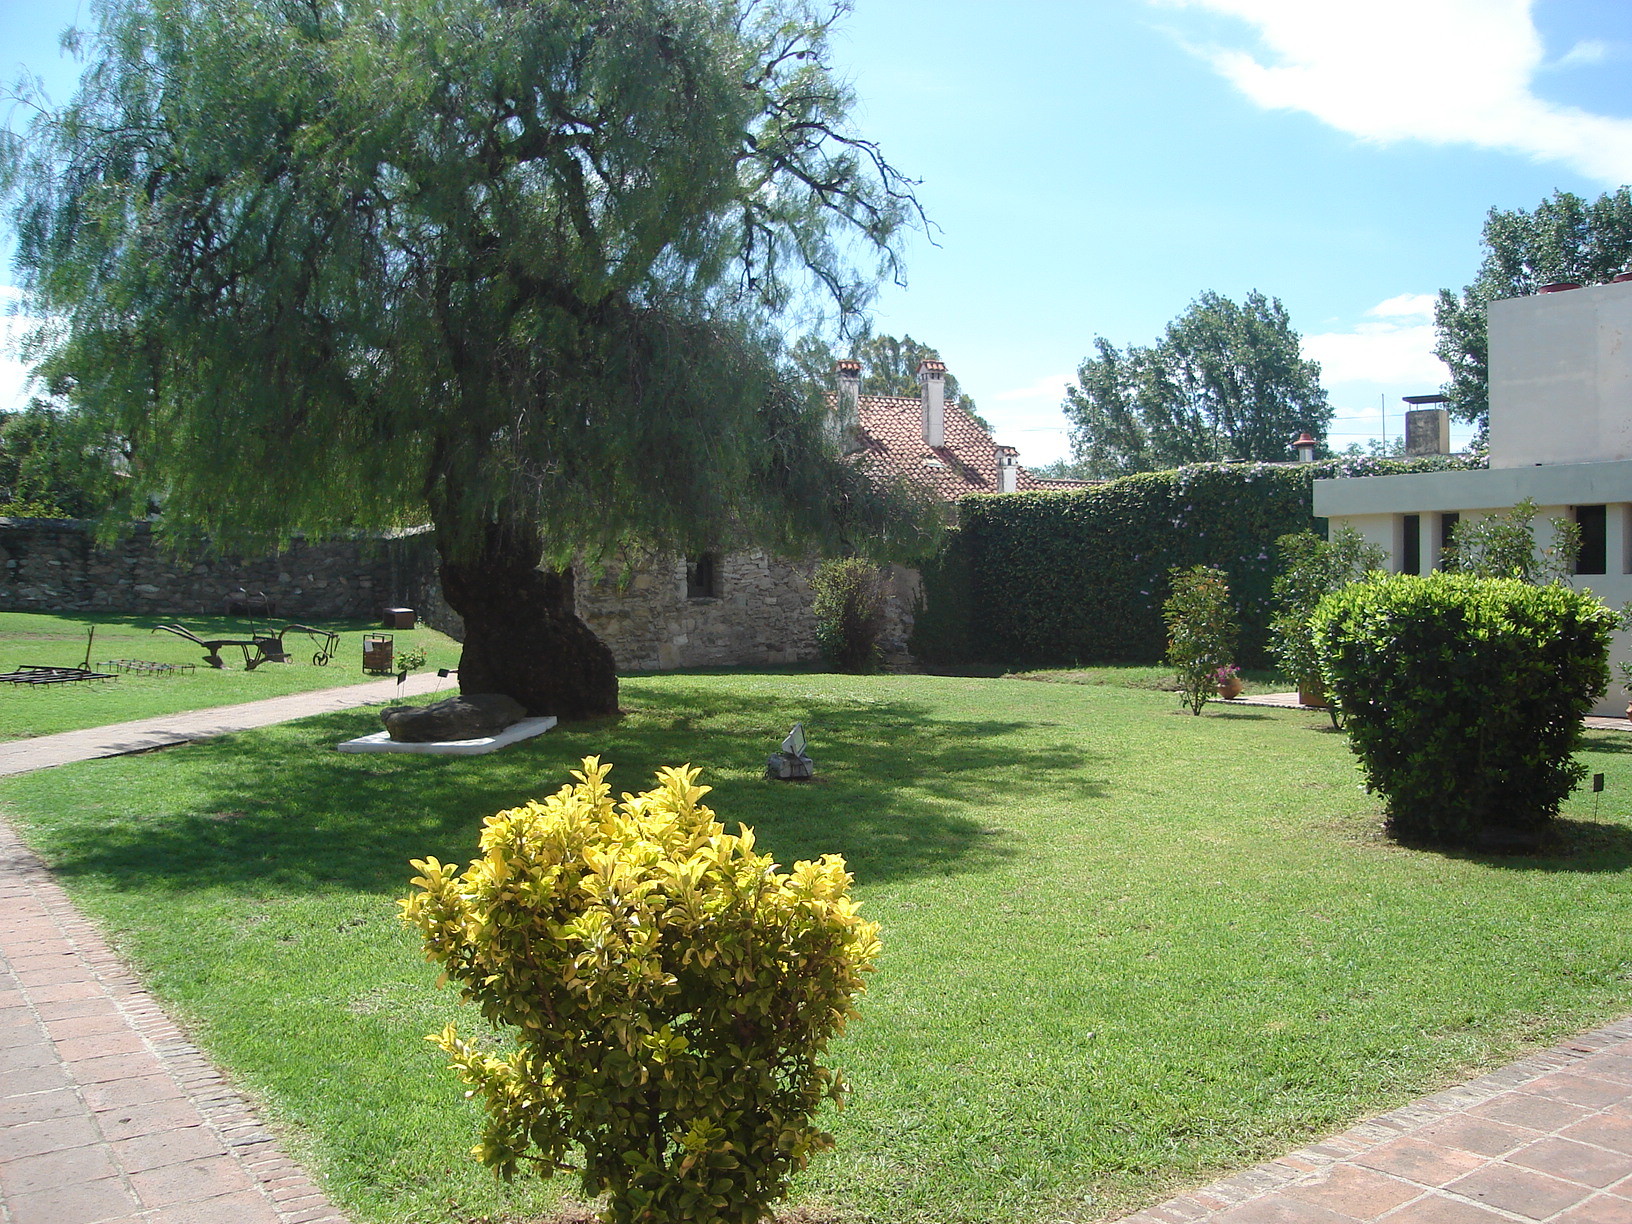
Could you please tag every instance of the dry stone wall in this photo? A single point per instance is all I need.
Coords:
(55, 565)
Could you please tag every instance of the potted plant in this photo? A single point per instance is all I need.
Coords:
(1228, 678)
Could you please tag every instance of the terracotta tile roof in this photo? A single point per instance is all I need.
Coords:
(893, 440)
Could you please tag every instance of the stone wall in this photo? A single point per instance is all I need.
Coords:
(55, 565)
(759, 615)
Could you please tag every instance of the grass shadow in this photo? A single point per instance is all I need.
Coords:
(279, 811)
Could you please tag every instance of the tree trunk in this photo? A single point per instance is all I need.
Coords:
(522, 636)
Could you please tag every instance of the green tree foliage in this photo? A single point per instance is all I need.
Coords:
(49, 468)
(1311, 569)
(1225, 381)
(1061, 469)
(1201, 632)
(1463, 699)
(513, 265)
(849, 610)
(888, 367)
(1565, 238)
(1505, 546)
(671, 995)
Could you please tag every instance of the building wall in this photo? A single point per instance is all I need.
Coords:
(1561, 377)
(1380, 516)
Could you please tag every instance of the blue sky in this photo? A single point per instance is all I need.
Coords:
(1094, 165)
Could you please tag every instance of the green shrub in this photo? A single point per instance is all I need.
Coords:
(1201, 632)
(1079, 577)
(1504, 546)
(849, 611)
(1463, 698)
(1311, 569)
(672, 995)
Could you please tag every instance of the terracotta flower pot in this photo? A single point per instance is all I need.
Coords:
(1230, 688)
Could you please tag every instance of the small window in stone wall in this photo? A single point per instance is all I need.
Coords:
(703, 577)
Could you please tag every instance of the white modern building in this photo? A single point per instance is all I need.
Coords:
(1560, 435)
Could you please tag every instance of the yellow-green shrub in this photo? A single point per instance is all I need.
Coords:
(671, 993)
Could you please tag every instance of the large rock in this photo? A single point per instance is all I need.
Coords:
(466, 717)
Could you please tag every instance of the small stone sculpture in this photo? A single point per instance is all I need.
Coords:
(791, 764)
(466, 717)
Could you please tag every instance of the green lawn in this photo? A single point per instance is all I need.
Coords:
(1124, 948)
(28, 637)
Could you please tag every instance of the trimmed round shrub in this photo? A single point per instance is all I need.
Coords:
(670, 992)
(1463, 698)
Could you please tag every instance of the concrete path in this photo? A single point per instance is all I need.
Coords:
(117, 739)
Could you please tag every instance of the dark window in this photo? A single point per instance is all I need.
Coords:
(1411, 545)
(1447, 531)
(703, 577)
(1594, 524)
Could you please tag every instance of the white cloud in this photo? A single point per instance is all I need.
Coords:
(1405, 306)
(1397, 349)
(1442, 71)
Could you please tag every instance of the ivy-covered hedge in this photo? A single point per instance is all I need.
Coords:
(1061, 578)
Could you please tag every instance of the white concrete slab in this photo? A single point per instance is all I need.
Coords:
(381, 741)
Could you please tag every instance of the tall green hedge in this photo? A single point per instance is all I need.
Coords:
(1079, 577)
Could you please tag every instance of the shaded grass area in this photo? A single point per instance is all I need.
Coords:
(1124, 947)
(60, 641)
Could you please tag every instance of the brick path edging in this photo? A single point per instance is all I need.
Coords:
(1234, 1198)
(155, 1182)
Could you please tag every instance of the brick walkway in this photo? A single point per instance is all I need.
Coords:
(1545, 1139)
(108, 1115)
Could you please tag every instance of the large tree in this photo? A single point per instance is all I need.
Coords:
(516, 265)
(1565, 238)
(1225, 381)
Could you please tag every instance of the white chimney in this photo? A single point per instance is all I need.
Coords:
(1008, 469)
(932, 377)
(847, 412)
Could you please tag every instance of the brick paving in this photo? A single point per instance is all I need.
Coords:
(108, 1114)
(1547, 1140)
